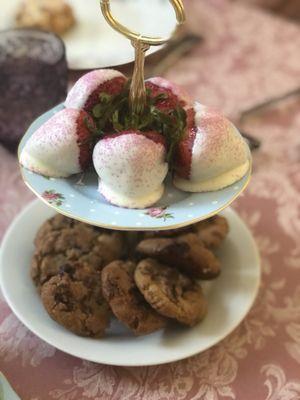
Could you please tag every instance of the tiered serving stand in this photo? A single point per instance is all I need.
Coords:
(229, 297)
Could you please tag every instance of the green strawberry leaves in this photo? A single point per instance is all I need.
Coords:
(113, 114)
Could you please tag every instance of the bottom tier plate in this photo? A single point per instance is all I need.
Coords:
(230, 298)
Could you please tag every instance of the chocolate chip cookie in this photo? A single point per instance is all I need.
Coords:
(212, 231)
(125, 300)
(61, 240)
(56, 223)
(170, 293)
(74, 299)
(185, 252)
(167, 233)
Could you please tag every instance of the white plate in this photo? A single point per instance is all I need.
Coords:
(230, 298)
(92, 43)
(6, 391)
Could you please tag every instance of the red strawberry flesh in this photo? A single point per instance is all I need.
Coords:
(183, 155)
(155, 137)
(111, 87)
(170, 102)
(84, 139)
(190, 117)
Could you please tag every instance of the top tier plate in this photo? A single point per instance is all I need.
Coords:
(91, 43)
(77, 197)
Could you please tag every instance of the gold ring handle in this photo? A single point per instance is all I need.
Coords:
(133, 36)
(141, 44)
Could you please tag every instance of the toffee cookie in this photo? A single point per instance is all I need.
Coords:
(212, 231)
(125, 300)
(170, 293)
(61, 240)
(185, 252)
(74, 299)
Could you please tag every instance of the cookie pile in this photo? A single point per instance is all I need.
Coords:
(85, 274)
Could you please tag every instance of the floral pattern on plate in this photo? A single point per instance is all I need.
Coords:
(159, 212)
(53, 197)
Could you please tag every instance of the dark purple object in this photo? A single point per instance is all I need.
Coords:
(33, 79)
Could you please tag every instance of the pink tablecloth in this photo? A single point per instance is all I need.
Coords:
(247, 57)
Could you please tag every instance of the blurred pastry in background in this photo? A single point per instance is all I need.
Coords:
(50, 15)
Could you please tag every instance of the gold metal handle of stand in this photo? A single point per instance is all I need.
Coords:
(133, 36)
(141, 44)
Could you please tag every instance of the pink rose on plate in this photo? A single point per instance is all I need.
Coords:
(156, 212)
(159, 212)
(53, 197)
(49, 196)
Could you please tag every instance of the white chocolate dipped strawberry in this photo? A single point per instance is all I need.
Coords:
(132, 162)
(173, 96)
(212, 154)
(131, 167)
(86, 91)
(61, 146)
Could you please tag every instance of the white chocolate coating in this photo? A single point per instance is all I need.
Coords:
(53, 150)
(127, 201)
(220, 156)
(87, 84)
(131, 169)
(217, 183)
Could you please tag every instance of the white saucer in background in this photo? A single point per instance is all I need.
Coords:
(92, 43)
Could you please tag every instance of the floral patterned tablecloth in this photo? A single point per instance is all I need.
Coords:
(247, 57)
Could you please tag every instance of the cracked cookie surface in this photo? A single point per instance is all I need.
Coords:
(125, 300)
(61, 240)
(170, 293)
(185, 252)
(212, 231)
(74, 299)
